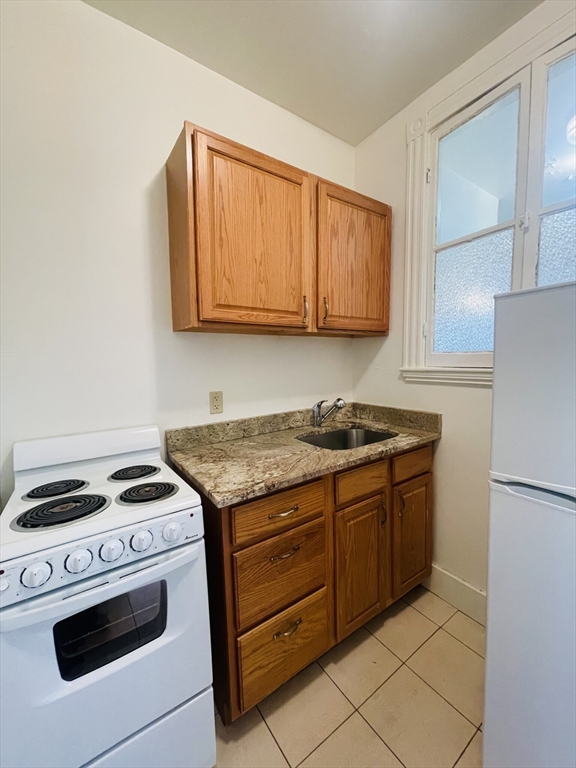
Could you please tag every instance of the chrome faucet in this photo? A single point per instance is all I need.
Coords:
(318, 418)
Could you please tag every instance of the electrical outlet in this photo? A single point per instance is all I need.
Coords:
(216, 402)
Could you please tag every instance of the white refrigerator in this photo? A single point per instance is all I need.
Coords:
(530, 704)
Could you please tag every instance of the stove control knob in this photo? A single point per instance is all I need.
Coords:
(141, 541)
(78, 561)
(171, 531)
(4, 584)
(112, 550)
(36, 575)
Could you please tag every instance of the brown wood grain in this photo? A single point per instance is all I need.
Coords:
(266, 660)
(359, 483)
(254, 243)
(411, 464)
(372, 556)
(253, 520)
(358, 564)
(181, 232)
(354, 237)
(277, 572)
(220, 591)
(412, 533)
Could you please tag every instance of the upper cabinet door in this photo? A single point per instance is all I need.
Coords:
(254, 237)
(353, 260)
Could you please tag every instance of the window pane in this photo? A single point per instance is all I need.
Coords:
(560, 156)
(477, 171)
(557, 259)
(467, 277)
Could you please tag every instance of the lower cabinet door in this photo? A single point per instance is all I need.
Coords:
(273, 652)
(412, 533)
(361, 563)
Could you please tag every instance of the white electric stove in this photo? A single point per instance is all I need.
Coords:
(104, 634)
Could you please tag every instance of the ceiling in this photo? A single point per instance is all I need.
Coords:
(346, 66)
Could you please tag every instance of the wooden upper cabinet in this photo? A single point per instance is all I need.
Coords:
(353, 260)
(254, 244)
(412, 533)
(246, 233)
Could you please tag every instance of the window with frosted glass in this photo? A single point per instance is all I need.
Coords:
(476, 191)
(467, 278)
(557, 243)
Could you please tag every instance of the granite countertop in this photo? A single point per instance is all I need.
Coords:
(234, 461)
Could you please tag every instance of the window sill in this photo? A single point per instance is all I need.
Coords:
(474, 377)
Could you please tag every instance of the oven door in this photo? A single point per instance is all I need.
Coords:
(88, 666)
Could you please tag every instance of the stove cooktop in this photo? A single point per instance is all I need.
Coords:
(66, 502)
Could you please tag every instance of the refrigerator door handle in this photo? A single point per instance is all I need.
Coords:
(558, 500)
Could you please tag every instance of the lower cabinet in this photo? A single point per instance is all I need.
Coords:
(362, 564)
(293, 573)
(412, 526)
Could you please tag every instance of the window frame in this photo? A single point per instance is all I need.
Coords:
(521, 83)
(536, 159)
(546, 47)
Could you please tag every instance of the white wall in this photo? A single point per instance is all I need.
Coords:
(91, 110)
(463, 454)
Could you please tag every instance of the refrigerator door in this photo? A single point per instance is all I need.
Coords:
(534, 395)
(530, 700)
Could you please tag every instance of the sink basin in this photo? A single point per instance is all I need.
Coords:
(345, 439)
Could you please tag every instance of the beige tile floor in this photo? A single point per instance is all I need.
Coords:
(406, 690)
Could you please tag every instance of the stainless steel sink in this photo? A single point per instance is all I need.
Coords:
(345, 439)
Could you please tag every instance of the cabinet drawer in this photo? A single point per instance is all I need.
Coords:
(411, 464)
(277, 513)
(275, 651)
(276, 572)
(361, 482)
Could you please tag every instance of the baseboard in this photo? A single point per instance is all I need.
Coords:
(468, 599)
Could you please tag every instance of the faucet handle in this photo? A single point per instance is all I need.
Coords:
(340, 403)
(316, 411)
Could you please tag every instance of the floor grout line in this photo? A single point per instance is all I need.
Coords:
(395, 654)
(323, 740)
(272, 734)
(444, 698)
(466, 747)
(428, 617)
(463, 643)
(380, 737)
(337, 686)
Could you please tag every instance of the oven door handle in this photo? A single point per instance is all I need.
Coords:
(56, 605)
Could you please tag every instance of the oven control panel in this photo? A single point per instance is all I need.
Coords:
(26, 577)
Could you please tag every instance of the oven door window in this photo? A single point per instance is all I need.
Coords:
(107, 631)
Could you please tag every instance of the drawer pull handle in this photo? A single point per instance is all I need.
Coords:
(326, 310)
(305, 315)
(295, 508)
(290, 631)
(285, 556)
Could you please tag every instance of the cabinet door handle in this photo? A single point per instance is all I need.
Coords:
(384, 513)
(326, 309)
(290, 631)
(305, 315)
(402, 506)
(286, 555)
(295, 508)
